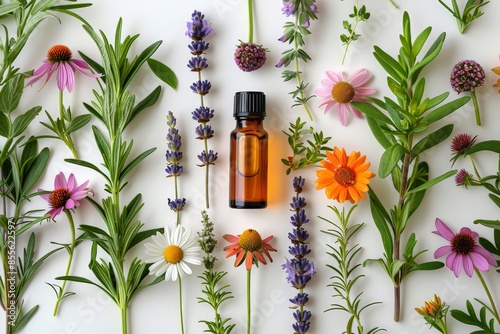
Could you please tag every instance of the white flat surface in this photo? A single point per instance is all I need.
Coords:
(155, 310)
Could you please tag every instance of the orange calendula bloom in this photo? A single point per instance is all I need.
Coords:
(433, 308)
(497, 71)
(344, 177)
(248, 247)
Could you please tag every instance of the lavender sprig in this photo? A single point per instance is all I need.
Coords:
(173, 157)
(294, 33)
(299, 269)
(215, 294)
(198, 29)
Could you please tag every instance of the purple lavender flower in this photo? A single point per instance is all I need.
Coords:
(177, 204)
(197, 64)
(207, 159)
(299, 270)
(288, 7)
(204, 132)
(203, 114)
(199, 27)
(249, 56)
(197, 48)
(201, 87)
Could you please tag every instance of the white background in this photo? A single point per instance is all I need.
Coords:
(155, 310)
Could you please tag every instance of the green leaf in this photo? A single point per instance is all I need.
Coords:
(137, 63)
(495, 199)
(88, 165)
(8, 8)
(382, 221)
(135, 162)
(420, 41)
(78, 122)
(11, 93)
(432, 139)
(143, 235)
(22, 121)
(445, 110)
(23, 319)
(163, 72)
(4, 125)
(370, 111)
(487, 145)
(148, 101)
(390, 158)
(433, 182)
(432, 265)
(36, 170)
(488, 223)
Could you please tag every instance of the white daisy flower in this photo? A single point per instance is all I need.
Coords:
(172, 252)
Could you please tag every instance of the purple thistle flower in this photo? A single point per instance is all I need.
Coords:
(207, 159)
(197, 64)
(198, 28)
(463, 178)
(466, 76)
(177, 204)
(249, 56)
(197, 48)
(201, 87)
(204, 131)
(203, 114)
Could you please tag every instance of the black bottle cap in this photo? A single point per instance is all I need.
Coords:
(249, 104)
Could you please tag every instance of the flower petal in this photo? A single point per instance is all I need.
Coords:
(443, 230)
(359, 77)
(442, 251)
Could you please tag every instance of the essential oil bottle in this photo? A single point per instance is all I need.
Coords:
(248, 152)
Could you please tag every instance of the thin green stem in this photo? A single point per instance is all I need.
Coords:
(488, 293)
(475, 168)
(71, 251)
(250, 21)
(476, 107)
(353, 32)
(180, 305)
(66, 136)
(178, 212)
(303, 99)
(442, 325)
(249, 317)
(394, 4)
(124, 320)
(207, 168)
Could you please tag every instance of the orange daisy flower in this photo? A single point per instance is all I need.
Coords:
(248, 247)
(496, 70)
(344, 177)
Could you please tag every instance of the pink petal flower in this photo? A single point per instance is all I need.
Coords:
(443, 230)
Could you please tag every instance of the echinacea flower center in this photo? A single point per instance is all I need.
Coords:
(343, 92)
(173, 254)
(345, 176)
(59, 53)
(250, 240)
(462, 243)
(59, 197)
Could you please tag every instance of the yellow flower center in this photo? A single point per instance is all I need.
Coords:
(250, 240)
(173, 254)
(59, 197)
(343, 92)
(345, 176)
(59, 53)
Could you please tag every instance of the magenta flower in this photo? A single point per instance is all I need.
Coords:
(464, 252)
(66, 194)
(340, 92)
(59, 58)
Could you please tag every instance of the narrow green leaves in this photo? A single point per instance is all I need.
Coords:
(163, 72)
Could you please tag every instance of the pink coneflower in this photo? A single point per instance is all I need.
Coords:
(59, 58)
(66, 194)
(337, 91)
(464, 252)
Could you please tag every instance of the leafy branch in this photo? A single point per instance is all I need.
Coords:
(470, 13)
(397, 125)
(359, 14)
(304, 155)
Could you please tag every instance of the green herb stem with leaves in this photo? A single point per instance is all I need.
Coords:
(302, 156)
(470, 13)
(344, 278)
(215, 293)
(294, 33)
(115, 106)
(404, 128)
(359, 14)
(21, 161)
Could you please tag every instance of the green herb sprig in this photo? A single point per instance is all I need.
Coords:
(294, 34)
(345, 278)
(115, 106)
(359, 14)
(304, 155)
(470, 13)
(397, 125)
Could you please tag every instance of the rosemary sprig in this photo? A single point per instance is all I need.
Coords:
(470, 13)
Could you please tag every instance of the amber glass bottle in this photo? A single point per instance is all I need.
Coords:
(248, 153)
